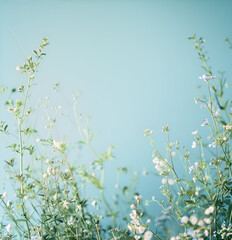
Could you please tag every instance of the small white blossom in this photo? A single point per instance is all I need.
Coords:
(94, 203)
(57, 145)
(132, 206)
(78, 208)
(65, 204)
(213, 144)
(207, 220)
(4, 195)
(205, 122)
(141, 229)
(194, 144)
(195, 132)
(8, 228)
(171, 181)
(137, 237)
(193, 220)
(206, 78)
(147, 235)
(184, 219)
(206, 232)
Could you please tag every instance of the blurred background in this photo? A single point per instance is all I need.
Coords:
(132, 62)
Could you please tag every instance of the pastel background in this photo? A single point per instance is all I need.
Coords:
(132, 62)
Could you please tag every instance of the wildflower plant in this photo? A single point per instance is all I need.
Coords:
(50, 202)
(198, 202)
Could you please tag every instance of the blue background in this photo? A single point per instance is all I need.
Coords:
(132, 62)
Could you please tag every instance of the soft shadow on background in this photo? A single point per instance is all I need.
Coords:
(132, 62)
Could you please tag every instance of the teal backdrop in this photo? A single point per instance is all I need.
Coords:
(131, 60)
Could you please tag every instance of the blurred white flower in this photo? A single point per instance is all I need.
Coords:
(193, 220)
(194, 144)
(171, 181)
(213, 144)
(8, 228)
(195, 132)
(57, 145)
(132, 206)
(147, 235)
(205, 122)
(65, 204)
(184, 219)
(137, 237)
(141, 229)
(4, 195)
(207, 220)
(18, 68)
(206, 78)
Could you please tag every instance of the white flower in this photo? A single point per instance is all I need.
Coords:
(193, 220)
(37, 140)
(49, 171)
(26, 198)
(78, 208)
(156, 160)
(141, 229)
(18, 68)
(65, 204)
(57, 145)
(171, 181)
(8, 228)
(137, 237)
(184, 219)
(45, 175)
(132, 206)
(147, 235)
(194, 144)
(205, 122)
(133, 215)
(47, 161)
(70, 221)
(200, 223)
(213, 144)
(172, 238)
(94, 203)
(163, 181)
(211, 209)
(206, 232)
(135, 222)
(207, 212)
(137, 197)
(217, 113)
(8, 203)
(4, 195)
(206, 78)
(207, 220)
(116, 186)
(195, 132)
(173, 154)
(148, 220)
